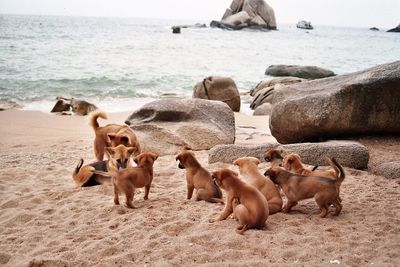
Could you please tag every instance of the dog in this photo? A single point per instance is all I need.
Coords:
(111, 135)
(248, 168)
(274, 155)
(297, 187)
(198, 178)
(292, 163)
(126, 180)
(85, 176)
(247, 204)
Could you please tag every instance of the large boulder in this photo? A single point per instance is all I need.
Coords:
(349, 154)
(365, 102)
(218, 88)
(166, 126)
(256, 14)
(305, 72)
(396, 29)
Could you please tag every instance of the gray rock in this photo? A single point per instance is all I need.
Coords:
(390, 170)
(396, 29)
(349, 154)
(306, 72)
(254, 14)
(262, 110)
(365, 102)
(274, 81)
(218, 88)
(166, 126)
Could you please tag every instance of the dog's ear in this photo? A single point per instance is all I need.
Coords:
(110, 137)
(110, 151)
(257, 161)
(131, 150)
(237, 163)
(125, 140)
(154, 155)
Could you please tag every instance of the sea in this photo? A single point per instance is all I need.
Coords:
(119, 64)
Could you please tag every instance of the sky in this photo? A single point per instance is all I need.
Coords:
(358, 13)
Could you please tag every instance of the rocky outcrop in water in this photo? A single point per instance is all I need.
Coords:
(396, 29)
(364, 102)
(218, 88)
(166, 126)
(305, 72)
(255, 14)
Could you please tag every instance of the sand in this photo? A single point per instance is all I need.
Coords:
(47, 221)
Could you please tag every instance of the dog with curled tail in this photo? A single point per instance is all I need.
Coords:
(247, 204)
(248, 167)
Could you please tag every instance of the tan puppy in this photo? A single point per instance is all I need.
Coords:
(274, 155)
(127, 180)
(248, 205)
(298, 187)
(86, 176)
(111, 135)
(198, 178)
(292, 163)
(248, 168)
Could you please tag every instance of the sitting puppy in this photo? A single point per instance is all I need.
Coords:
(85, 175)
(292, 163)
(198, 178)
(128, 179)
(248, 205)
(298, 187)
(248, 167)
(111, 135)
(274, 155)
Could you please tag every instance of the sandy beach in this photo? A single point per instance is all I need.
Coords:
(47, 221)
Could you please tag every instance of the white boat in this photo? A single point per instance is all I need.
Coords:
(302, 24)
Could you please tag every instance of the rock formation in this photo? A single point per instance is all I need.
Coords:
(396, 29)
(305, 72)
(256, 14)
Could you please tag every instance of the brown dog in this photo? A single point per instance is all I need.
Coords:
(248, 205)
(127, 180)
(274, 155)
(198, 178)
(86, 176)
(111, 135)
(292, 163)
(248, 167)
(298, 187)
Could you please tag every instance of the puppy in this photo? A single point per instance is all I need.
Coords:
(86, 176)
(111, 135)
(298, 187)
(248, 205)
(292, 163)
(274, 155)
(248, 168)
(128, 179)
(198, 178)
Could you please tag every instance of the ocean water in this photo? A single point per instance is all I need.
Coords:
(121, 63)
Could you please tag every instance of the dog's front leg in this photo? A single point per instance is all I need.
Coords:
(146, 191)
(190, 189)
(227, 211)
(116, 198)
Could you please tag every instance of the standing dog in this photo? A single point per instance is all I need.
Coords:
(86, 176)
(198, 178)
(293, 164)
(274, 155)
(111, 135)
(248, 205)
(127, 180)
(298, 187)
(248, 167)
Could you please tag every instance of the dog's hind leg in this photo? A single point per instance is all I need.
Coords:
(323, 205)
(338, 206)
(129, 198)
(146, 191)
(202, 194)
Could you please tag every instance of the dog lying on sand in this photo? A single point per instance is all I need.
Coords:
(198, 178)
(247, 204)
(111, 135)
(86, 176)
(248, 168)
(297, 187)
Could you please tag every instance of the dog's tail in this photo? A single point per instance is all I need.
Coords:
(78, 167)
(339, 169)
(93, 118)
